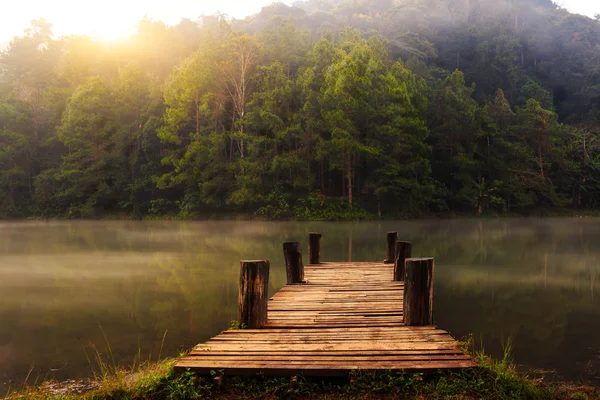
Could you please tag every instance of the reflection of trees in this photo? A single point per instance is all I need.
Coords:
(527, 278)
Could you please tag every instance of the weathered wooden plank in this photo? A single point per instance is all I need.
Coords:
(367, 337)
(367, 354)
(324, 347)
(244, 357)
(316, 333)
(398, 328)
(317, 368)
(346, 316)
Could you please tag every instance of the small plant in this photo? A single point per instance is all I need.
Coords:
(158, 381)
(236, 325)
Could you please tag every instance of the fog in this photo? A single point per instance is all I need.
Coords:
(534, 280)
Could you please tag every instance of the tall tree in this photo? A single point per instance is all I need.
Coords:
(238, 68)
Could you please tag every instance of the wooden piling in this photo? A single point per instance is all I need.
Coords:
(418, 292)
(253, 293)
(293, 262)
(348, 318)
(391, 238)
(402, 251)
(314, 248)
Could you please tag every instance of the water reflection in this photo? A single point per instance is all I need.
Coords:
(533, 280)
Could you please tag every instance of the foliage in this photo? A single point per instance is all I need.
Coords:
(322, 110)
(492, 380)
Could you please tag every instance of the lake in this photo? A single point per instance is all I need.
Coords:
(153, 289)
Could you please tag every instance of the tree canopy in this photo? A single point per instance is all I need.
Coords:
(324, 109)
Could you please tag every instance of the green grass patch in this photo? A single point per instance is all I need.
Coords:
(492, 379)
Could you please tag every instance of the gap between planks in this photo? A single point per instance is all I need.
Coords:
(347, 316)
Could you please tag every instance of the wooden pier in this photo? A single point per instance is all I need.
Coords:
(333, 318)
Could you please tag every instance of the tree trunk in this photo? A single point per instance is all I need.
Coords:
(12, 195)
(231, 143)
(242, 142)
(540, 161)
(196, 102)
(308, 174)
(349, 177)
(322, 176)
(98, 159)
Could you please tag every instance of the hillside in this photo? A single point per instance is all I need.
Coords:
(319, 110)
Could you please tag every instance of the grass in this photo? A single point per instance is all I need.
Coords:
(493, 379)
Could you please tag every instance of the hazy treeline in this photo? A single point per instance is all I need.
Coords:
(325, 109)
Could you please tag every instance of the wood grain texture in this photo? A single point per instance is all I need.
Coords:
(403, 251)
(390, 247)
(292, 254)
(418, 292)
(314, 247)
(347, 316)
(253, 293)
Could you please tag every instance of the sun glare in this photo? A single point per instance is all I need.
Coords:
(105, 26)
(112, 33)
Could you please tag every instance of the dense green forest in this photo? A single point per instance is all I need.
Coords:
(324, 109)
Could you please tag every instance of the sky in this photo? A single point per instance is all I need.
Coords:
(583, 7)
(112, 19)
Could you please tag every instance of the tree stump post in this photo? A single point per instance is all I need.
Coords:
(253, 293)
(402, 252)
(314, 248)
(418, 292)
(293, 262)
(391, 238)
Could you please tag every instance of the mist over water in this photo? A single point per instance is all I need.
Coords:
(534, 280)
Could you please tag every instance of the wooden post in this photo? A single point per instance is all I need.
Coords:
(391, 237)
(253, 293)
(418, 292)
(402, 252)
(314, 248)
(293, 262)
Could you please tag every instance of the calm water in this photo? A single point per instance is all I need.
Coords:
(64, 283)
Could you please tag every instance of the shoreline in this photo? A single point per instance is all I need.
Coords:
(249, 217)
(491, 379)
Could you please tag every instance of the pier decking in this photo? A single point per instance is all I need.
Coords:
(347, 316)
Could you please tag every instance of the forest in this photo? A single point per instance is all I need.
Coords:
(325, 109)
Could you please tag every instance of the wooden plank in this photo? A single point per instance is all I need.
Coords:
(347, 316)
(362, 353)
(294, 358)
(324, 347)
(317, 368)
(398, 341)
(399, 328)
(376, 332)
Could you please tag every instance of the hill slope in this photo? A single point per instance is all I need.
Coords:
(319, 110)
